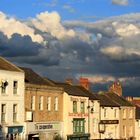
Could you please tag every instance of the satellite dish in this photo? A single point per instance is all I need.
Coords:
(4, 83)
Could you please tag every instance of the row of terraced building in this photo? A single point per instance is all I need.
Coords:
(36, 108)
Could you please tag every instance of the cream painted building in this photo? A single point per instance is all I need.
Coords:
(109, 118)
(75, 113)
(94, 114)
(126, 116)
(137, 123)
(117, 117)
(11, 100)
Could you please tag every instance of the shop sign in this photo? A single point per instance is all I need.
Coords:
(46, 126)
(78, 114)
(15, 129)
(109, 121)
(78, 99)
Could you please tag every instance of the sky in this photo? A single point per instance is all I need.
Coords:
(96, 39)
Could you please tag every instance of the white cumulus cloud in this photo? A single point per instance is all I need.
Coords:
(118, 52)
(10, 25)
(51, 23)
(126, 29)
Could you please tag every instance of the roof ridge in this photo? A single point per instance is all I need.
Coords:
(7, 61)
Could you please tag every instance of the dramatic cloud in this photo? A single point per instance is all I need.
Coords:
(120, 53)
(120, 2)
(103, 51)
(9, 26)
(51, 23)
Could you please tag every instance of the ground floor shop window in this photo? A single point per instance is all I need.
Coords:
(78, 125)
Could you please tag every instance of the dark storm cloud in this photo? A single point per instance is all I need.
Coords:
(17, 46)
(108, 47)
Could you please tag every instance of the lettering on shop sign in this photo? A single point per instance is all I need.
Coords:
(43, 126)
(77, 99)
(78, 114)
(109, 121)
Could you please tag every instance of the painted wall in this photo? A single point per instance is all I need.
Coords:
(137, 129)
(68, 114)
(112, 129)
(94, 108)
(127, 122)
(9, 98)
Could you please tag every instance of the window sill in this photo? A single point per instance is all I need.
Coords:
(3, 94)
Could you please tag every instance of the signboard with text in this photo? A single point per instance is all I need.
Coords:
(109, 122)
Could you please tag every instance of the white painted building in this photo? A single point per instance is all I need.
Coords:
(94, 110)
(109, 118)
(11, 100)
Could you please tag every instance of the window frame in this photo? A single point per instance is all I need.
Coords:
(40, 103)
(74, 106)
(3, 113)
(82, 107)
(15, 111)
(78, 125)
(49, 103)
(56, 104)
(15, 87)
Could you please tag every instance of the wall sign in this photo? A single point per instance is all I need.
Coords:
(47, 126)
(15, 129)
(78, 114)
(109, 121)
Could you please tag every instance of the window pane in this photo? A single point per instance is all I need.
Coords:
(56, 104)
(15, 113)
(78, 125)
(82, 107)
(15, 85)
(32, 102)
(74, 106)
(3, 113)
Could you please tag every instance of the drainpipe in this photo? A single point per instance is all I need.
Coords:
(89, 116)
(99, 120)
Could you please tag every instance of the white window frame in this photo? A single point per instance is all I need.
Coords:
(40, 104)
(49, 103)
(3, 113)
(15, 111)
(56, 104)
(32, 102)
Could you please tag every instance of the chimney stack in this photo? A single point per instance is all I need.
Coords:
(84, 82)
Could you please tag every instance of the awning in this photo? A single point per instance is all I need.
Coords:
(15, 129)
(35, 136)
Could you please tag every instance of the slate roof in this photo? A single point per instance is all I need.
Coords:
(106, 101)
(6, 65)
(118, 99)
(33, 78)
(72, 90)
(90, 94)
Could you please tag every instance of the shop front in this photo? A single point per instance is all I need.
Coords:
(43, 130)
(15, 132)
(78, 137)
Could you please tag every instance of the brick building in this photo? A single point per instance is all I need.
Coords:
(43, 107)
